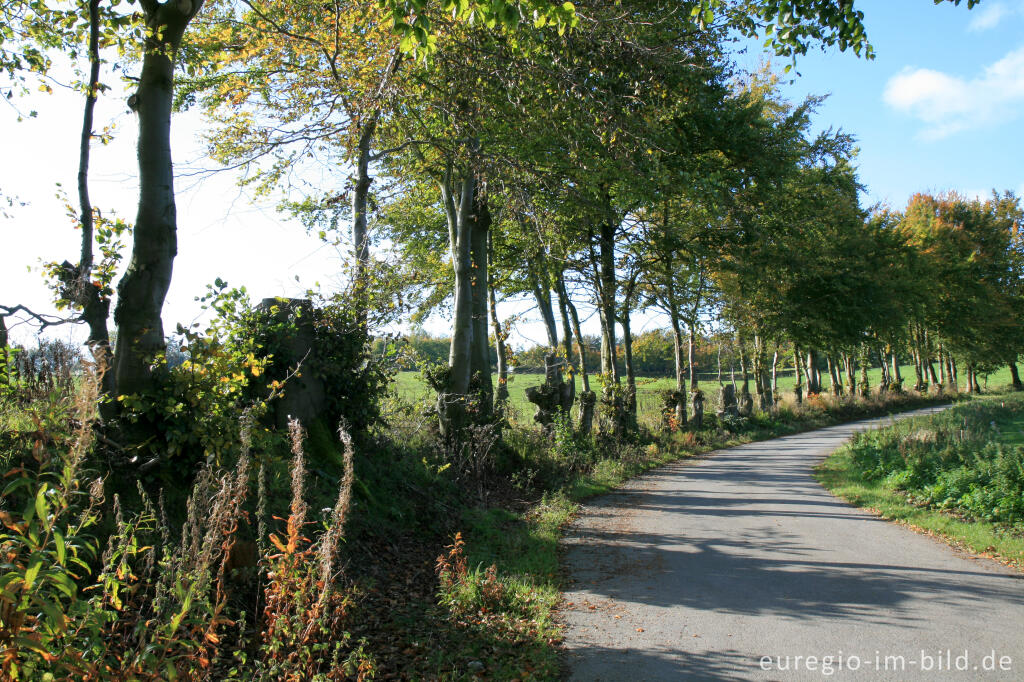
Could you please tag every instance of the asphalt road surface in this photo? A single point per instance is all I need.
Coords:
(733, 566)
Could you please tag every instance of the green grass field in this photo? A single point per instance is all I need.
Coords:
(410, 386)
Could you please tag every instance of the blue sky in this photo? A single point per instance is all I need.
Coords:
(940, 108)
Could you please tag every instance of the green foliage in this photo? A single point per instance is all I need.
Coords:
(193, 407)
(153, 607)
(959, 460)
(47, 547)
(109, 234)
(576, 452)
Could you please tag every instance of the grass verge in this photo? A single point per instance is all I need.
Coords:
(844, 477)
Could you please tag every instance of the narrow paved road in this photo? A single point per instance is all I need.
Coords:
(733, 566)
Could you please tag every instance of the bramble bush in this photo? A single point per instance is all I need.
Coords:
(191, 413)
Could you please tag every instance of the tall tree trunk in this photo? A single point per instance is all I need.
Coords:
(775, 373)
(928, 355)
(865, 387)
(886, 380)
(501, 393)
(142, 290)
(943, 366)
(897, 378)
(720, 363)
(1015, 378)
(563, 310)
(918, 365)
(798, 367)
(481, 353)
(95, 307)
(931, 372)
(459, 200)
(360, 194)
(627, 351)
(851, 373)
(542, 295)
(691, 355)
(746, 403)
(606, 303)
(761, 385)
(581, 351)
(587, 399)
(834, 386)
(813, 381)
(628, 299)
(677, 347)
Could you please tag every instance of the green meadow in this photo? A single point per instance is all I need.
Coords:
(411, 387)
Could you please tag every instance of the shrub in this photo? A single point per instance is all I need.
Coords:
(152, 608)
(953, 460)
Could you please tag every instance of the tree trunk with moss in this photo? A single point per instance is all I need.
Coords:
(744, 401)
(563, 312)
(851, 373)
(142, 290)
(481, 353)
(87, 295)
(627, 353)
(836, 386)
(501, 392)
(587, 399)
(454, 403)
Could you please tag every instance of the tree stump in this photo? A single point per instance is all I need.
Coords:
(697, 403)
(552, 397)
(672, 400)
(304, 397)
(745, 406)
(727, 401)
(670, 404)
(588, 400)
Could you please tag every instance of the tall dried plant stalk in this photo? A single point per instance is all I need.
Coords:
(297, 517)
(328, 549)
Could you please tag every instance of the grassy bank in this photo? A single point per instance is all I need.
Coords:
(958, 475)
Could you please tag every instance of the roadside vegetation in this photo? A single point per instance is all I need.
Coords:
(438, 564)
(254, 495)
(958, 474)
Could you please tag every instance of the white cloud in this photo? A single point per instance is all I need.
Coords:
(991, 15)
(987, 17)
(947, 104)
